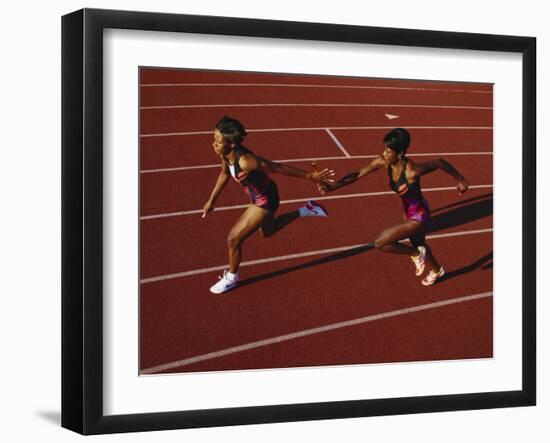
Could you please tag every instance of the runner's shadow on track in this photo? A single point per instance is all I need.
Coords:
(463, 201)
(463, 212)
(320, 261)
(484, 263)
(477, 208)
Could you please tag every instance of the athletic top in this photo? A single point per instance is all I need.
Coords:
(409, 193)
(415, 206)
(256, 183)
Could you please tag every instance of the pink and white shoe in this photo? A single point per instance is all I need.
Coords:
(419, 261)
(313, 209)
(432, 277)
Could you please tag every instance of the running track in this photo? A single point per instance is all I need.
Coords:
(316, 293)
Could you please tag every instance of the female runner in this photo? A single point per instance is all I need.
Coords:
(251, 172)
(404, 177)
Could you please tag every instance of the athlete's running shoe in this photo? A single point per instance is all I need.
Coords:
(225, 284)
(313, 209)
(432, 277)
(420, 260)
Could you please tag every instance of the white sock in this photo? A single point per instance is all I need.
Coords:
(231, 276)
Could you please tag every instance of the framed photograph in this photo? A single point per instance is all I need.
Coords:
(269, 221)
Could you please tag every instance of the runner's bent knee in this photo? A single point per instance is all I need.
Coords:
(380, 242)
(234, 239)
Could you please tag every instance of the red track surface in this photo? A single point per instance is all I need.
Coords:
(186, 120)
(180, 319)
(193, 150)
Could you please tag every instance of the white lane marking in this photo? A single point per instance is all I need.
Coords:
(351, 157)
(300, 200)
(298, 255)
(338, 143)
(314, 105)
(312, 331)
(393, 117)
(336, 128)
(294, 85)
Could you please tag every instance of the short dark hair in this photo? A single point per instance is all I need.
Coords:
(398, 140)
(231, 129)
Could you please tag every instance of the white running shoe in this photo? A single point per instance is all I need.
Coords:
(432, 277)
(225, 284)
(419, 261)
(313, 209)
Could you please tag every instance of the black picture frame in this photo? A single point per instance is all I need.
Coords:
(82, 218)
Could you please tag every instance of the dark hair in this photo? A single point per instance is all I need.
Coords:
(231, 129)
(398, 140)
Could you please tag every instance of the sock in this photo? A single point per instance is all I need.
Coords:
(232, 276)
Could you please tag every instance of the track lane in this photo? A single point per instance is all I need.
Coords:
(463, 332)
(358, 142)
(193, 150)
(162, 121)
(150, 76)
(227, 95)
(177, 244)
(186, 190)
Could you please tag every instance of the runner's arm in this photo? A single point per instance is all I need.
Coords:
(223, 177)
(250, 163)
(420, 169)
(352, 177)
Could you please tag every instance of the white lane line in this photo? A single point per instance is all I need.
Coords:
(294, 85)
(298, 255)
(314, 105)
(313, 331)
(336, 128)
(301, 200)
(351, 157)
(338, 143)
